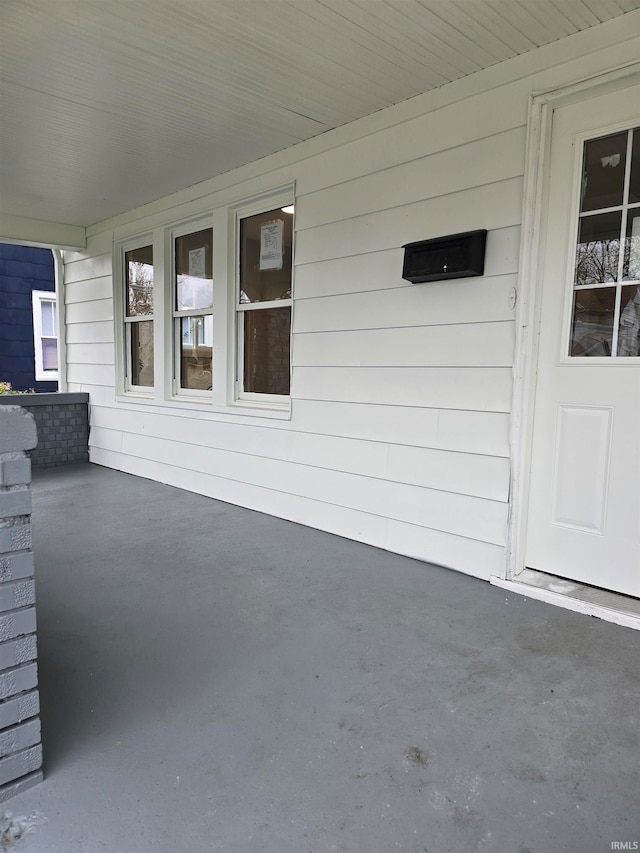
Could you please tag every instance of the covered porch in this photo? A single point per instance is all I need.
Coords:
(216, 679)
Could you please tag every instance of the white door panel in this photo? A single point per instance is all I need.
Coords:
(584, 500)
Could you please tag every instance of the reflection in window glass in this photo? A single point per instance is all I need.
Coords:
(629, 327)
(598, 249)
(196, 352)
(139, 272)
(603, 171)
(592, 330)
(266, 350)
(634, 184)
(193, 310)
(194, 271)
(632, 247)
(142, 353)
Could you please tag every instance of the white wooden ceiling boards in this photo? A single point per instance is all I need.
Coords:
(108, 104)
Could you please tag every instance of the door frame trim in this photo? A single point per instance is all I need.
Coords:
(527, 321)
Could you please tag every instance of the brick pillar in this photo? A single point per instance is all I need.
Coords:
(20, 748)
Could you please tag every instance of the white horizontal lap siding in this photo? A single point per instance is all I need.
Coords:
(80, 267)
(472, 344)
(401, 393)
(369, 347)
(487, 161)
(382, 270)
(473, 557)
(464, 473)
(440, 429)
(472, 388)
(89, 322)
(463, 515)
(489, 206)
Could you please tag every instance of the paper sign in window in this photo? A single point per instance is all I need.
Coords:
(271, 238)
(196, 262)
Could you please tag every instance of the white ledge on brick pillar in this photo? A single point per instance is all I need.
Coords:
(20, 747)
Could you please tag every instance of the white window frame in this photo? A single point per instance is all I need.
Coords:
(266, 203)
(124, 322)
(177, 391)
(37, 299)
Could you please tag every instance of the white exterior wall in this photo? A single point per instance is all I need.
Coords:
(401, 394)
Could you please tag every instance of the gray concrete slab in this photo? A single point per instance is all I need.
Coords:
(213, 679)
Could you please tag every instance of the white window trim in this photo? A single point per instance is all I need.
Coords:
(37, 298)
(177, 392)
(278, 199)
(222, 402)
(122, 331)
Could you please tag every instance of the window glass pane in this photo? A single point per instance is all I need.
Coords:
(196, 352)
(139, 274)
(629, 328)
(142, 353)
(634, 187)
(266, 248)
(592, 331)
(194, 270)
(632, 247)
(598, 248)
(266, 350)
(49, 354)
(603, 171)
(48, 318)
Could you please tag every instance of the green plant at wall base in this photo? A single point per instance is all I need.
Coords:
(5, 388)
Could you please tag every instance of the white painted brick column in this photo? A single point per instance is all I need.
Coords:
(20, 747)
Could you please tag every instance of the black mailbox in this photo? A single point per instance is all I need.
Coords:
(455, 256)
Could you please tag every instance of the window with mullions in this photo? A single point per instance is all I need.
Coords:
(138, 317)
(193, 312)
(606, 298)
(45, 335)
(264, 304)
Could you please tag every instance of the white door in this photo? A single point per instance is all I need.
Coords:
(584, 500)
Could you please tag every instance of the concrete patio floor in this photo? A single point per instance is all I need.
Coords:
(214, 679)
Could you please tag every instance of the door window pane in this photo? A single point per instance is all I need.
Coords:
(603, 171)
(632, 247)
(139, 273)
(266, 350)
(598, 248)
(194, 271)
(592, 329)
(629, 328)
(142, 353)
(634, 184)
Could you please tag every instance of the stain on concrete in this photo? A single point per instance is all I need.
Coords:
(527, 774)
(415, 755)
(14, 829)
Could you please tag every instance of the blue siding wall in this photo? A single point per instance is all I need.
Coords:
(22, 269)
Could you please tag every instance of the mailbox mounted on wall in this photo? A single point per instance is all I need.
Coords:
(455, 256)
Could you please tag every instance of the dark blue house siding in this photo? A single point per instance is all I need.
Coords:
(22, 269)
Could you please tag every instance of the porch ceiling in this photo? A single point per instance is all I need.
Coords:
(108, 104)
